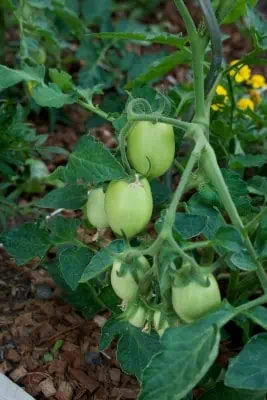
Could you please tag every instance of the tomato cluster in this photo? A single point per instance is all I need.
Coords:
(126, 207)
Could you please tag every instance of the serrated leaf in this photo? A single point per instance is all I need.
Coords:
(26, 242)
(92, 163)
(215, 220)
(162, 38)
(51, 96)
(243, 260)
(258, 315)
(63, 230)
(132, 341)
(102, 260)
(249, 369)
(10, 77)
(72, 263)
(190, 225)
(230, 238)
(71, 197)
(189, 350)
(61, 78)
(247, 161)
(161, 68)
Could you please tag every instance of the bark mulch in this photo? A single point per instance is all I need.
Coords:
(49, 349)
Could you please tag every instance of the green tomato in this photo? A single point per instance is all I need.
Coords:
(151, 148)
(160, 323)
(95, 209)
(128, 206)
(138, 319)
(192, 301)
(125, 286)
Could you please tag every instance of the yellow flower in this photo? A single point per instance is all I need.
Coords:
(255, 97)
(245, 103)
(257, 81)
(217, 107)
(243, 73)
(221, 91)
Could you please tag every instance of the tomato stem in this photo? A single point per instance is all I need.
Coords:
(194, 157)
(95, 110)
(212, 170)
(197, 47)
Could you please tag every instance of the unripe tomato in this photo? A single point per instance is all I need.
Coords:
(151, 148)
(125, 286)
(192, 301)
(138, 319)
(95, 209)
(128, 206)
(160, 324)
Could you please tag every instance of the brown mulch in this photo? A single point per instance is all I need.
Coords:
(29, 330)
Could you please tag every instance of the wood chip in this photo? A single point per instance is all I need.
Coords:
(115, 375)
(18, 373)
(124, 393)
(70, 347)
(24, 320)
(65, 391)
(47, 388)
(84, 379)
(58, 366)
(12, 355)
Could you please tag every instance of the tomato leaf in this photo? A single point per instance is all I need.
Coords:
(73, 262)
(230, 238)
(52, 96)
(189, 350)
(190, 225)
(102, 260)
(243, 260)
(162, 38)
(93, 163)
(26, 242)
(133, 341)
(10, 77)
(70, 197)
(161, 68)
(249, 370)
(258, 315)
(247, 161)
(63, 230)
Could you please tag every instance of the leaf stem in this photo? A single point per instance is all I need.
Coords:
(95, 110)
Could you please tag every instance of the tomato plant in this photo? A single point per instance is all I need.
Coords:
(181, 190)
(128, 206)
(151, 148)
